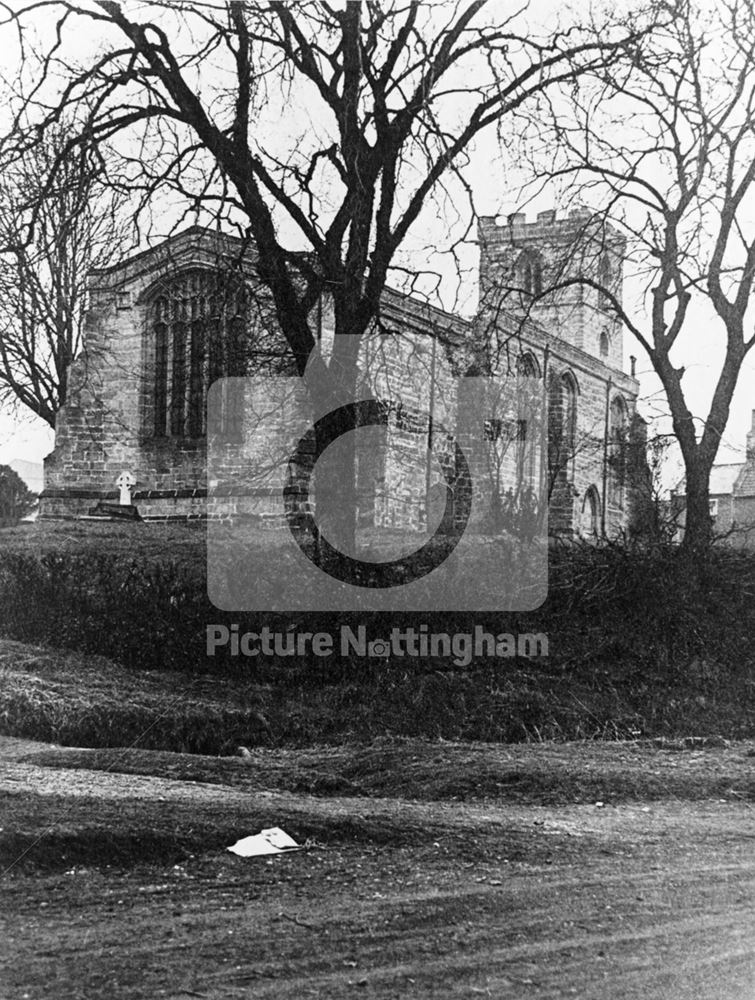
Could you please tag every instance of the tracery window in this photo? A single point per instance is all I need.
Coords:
(199, 327)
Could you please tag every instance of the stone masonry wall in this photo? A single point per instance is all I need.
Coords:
(104, 427)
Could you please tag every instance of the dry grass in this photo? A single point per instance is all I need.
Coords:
(526, 774)
(78, 700)
(158, 540)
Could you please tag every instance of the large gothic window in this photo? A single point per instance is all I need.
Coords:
(199, 327)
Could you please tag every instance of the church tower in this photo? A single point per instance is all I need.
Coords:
(521, 261)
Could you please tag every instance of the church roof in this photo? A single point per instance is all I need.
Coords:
(732, 478)
(724, 476)
(729, 479)
(745, 484)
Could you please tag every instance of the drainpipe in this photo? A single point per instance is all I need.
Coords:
(606, 428)
(544, 439)
(430, 419)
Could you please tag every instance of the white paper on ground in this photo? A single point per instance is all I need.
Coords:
(272, 841)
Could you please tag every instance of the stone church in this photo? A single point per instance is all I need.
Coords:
(163, 325)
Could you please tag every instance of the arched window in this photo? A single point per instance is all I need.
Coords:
(198, 326)
(562, 435)
(530, 273)
(605, 280)
(563, 402)
(526, 365)
(537, 276)
(589, 524)
(604, 344)
(562, 423)
(529, 401)
(617, 451)
(527, 276)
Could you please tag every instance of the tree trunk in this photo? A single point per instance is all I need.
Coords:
(698, 531)
(332, 391)
(335, 481)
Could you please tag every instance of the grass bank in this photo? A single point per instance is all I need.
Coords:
(109, 626)
(88, 701)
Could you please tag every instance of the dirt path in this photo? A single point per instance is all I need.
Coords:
(130, 894)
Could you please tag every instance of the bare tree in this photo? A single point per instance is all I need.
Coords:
(16, 499)
(658, 516)
(322, 130)
(664, 145)
(57, 222)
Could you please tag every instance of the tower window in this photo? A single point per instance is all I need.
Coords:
(537, 277)
(528, 277)
(604, 344)
(530, 273)
(605, 280)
